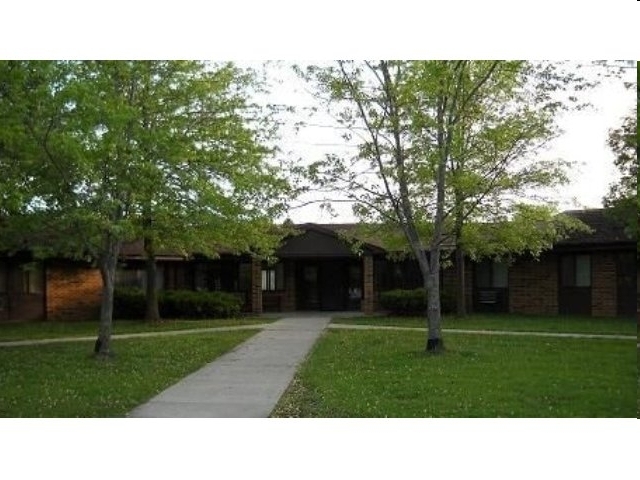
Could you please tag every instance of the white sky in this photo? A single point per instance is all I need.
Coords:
(584, 142)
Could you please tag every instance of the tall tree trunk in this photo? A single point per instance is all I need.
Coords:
(435, 343)
(432, 281)
(152, 311)
(461, 298)
(107, 263)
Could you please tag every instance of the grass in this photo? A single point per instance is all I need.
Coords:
(370, 373)
(638, 389)
(566, 324)
(56, 329)
(64, 380)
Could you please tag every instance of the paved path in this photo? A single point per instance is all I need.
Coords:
(246, 382)
(345, 326)
(165, 333)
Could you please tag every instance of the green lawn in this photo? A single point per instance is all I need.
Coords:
(369, 373)
(55, 329)
(64, 380)
(567, 324)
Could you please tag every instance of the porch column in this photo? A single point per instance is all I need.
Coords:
(367, 287)
(256, 285)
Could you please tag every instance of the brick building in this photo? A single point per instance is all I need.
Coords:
(588, 274)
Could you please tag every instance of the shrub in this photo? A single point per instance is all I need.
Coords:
(190, 304)
(413, 302)
(130, 303)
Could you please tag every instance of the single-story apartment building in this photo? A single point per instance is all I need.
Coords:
(587, 274)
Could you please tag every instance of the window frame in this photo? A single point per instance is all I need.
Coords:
(274, 275)
(569, 269)
(33, 280)
(4, 278)
(490, 265)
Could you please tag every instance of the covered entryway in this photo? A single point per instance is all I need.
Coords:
(328, 285)
(326, 274)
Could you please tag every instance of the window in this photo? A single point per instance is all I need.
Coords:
(355, 282)
(273, 278)
(575, 271)
(269, 279)
(129, 278)
(3, 278)
(32, 279)
(199, 278)
(137, 278)
(492, 274)
(500, 275)
(244, 277)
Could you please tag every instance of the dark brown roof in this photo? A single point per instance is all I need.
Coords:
(606, 229)
(135, 250)
(350, 230)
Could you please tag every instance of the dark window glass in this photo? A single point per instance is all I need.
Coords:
(583, 271)
(483, 275)
(33, 279)
(500, 275)
(492, 274)
(3, 278)
(244, 277)
(575, 271)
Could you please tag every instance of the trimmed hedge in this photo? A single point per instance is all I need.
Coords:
(413, 302)
(130, 304)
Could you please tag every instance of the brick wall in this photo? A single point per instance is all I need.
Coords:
(533, 286)
(256, 286)
(603, 285)
(73, 292)
(368, 301)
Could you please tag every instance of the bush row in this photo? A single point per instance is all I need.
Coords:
(413, 302)
(130, 303)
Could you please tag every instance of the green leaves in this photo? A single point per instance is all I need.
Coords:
(623, 195)
(108, 144)
(487, 121)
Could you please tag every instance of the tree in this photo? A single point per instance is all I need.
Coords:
(406, 120)
(217, 190)
(496, 162)
(623, 195)
(112, 151)
(439, 146)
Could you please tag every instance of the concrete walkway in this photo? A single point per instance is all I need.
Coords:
(604, 336)
(246, 382)
(115, 336)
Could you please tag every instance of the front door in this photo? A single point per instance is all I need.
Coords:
(574, 292)
(627, 285)
(307, 294)
(322, 285)
(333, 288)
